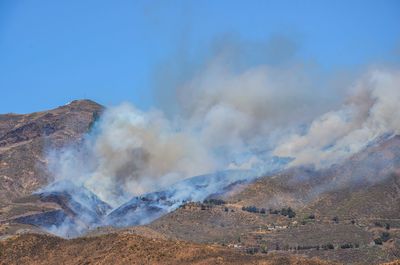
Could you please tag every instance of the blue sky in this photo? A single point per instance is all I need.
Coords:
(52, 52)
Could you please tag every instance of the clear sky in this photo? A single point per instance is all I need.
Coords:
(52, 52)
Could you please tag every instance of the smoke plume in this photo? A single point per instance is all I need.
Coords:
(260, 119)
(229, 120)
(367, 114)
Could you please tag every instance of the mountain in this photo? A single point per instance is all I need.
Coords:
(24, 139)
(345, 214)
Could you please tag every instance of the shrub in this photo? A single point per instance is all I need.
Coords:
(286, 247)
(378, 241)
(291, 213)
(284, 211)
(271, 211)
(346, 245)
(385, 236)
(387, 226)
(307, 247)
(328, 246)
(251, 250)
(335, 219)
(288, 212)
(214, 201)
(264, 249)
(226, 209)
(251, 209)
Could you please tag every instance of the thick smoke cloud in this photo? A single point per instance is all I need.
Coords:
(228, 121)
(132, 153)
(226, 118)
(143, 152)
(370, 112)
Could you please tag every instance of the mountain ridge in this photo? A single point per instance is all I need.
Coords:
(348, 213)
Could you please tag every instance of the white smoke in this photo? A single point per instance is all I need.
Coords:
(142, 152)
(231, 119)
(370, 112)
(132, 153)
(238, 108)
(227, 121)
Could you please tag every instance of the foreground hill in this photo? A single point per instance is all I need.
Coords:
(128, 249)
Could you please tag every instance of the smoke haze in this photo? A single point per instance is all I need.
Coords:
(367, 114)
(230, 120)
(259, 118)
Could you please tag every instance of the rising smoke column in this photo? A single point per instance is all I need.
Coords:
(230, 119)
(227, 121)
(131, 153)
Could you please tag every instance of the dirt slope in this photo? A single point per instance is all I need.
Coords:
(362, 195)
(128, 249)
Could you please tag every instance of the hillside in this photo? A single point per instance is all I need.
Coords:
(349, 203)
(348, 213)
(128, 249)
(24, 139)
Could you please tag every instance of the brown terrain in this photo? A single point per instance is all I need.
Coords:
(128, 249)
(331, 209)
(346, 214)
(24, 140)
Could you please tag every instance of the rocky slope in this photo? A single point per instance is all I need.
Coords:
(24, 139)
